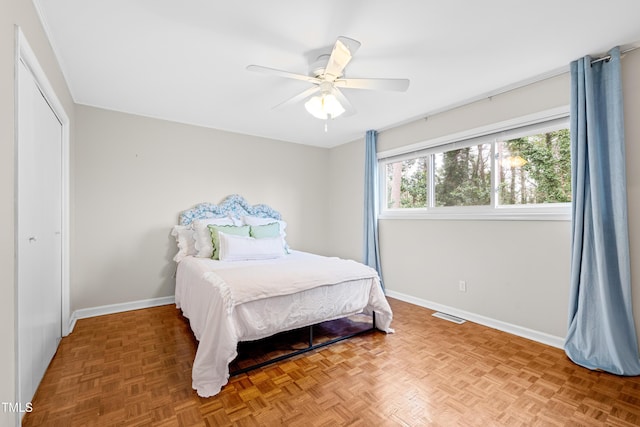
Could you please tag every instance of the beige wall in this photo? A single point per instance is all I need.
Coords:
(631, 88)
(530, 99)
(23, 14)
(346, 189)
(135, 175)
(516, 271)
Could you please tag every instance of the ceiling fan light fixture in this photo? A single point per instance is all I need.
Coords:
(325, 106)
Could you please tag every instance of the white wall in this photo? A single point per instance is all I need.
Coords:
(517, 272)
(22, 13)
(135, 175)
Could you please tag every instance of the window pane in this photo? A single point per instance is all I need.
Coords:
(463, 176)
(407, 184)
(535, 169)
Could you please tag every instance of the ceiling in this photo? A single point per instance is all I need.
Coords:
(186, 61)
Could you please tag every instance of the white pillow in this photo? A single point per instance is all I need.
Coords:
(242, 248)
(185, 241)
(254, 220)
(202, 235)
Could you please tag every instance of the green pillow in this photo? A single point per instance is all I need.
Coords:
(264, 231)
(242, 230)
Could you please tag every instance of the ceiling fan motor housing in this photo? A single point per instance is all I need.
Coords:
(319, 65)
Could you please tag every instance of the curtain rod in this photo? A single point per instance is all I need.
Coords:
(604, 58)
(608, 57)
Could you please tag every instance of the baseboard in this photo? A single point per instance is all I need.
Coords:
(520, 331)
(84, 313)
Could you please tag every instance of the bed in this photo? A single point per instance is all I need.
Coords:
(232, 294)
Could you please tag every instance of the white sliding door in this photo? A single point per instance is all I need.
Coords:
(39, 234)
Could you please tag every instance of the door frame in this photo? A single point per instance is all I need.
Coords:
(26, 55)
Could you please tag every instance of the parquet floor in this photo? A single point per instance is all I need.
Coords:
(134, 369)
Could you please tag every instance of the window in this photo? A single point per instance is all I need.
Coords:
(463, 176)
(523, 169)
(407, 183)
(535, 169)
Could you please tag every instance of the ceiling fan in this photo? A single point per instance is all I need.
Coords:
(326, 100)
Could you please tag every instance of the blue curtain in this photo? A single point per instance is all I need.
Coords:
(371, 248)
(601, 331)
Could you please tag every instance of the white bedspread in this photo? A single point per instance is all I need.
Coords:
(228, 302)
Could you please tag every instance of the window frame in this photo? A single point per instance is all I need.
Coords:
(497, 132)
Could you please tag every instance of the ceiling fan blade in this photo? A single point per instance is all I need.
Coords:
(348, 107)
(398, 85)
(342, 53)
(299, 97)
(281, 73)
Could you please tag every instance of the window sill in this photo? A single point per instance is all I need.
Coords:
(511, 214)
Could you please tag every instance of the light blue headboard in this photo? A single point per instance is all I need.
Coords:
(234, 206)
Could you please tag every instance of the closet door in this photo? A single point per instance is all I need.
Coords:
(39, 240)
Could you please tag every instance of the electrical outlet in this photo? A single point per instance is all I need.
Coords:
(462, 286)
